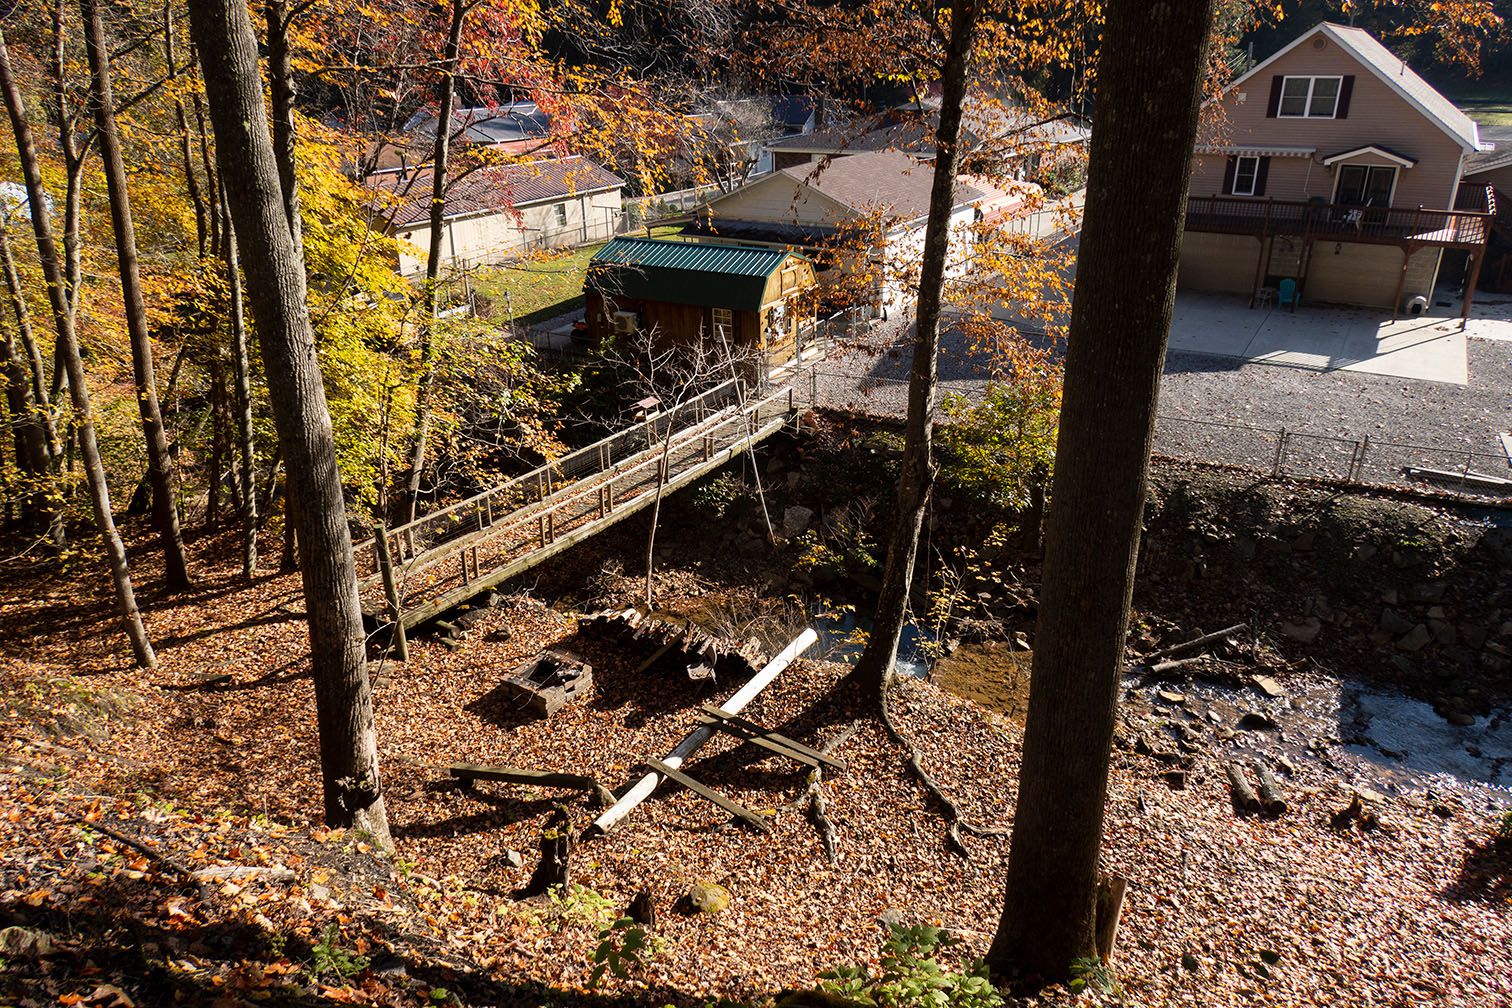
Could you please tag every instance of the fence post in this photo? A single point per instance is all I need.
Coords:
(391, 592)
(1359, 473)
(1280, 455)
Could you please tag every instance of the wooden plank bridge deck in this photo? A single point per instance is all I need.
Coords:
(451, 555)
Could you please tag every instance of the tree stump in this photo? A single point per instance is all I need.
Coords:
(556, 850)
(642, 909)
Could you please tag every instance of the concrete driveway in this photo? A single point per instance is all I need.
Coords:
(1427, 348)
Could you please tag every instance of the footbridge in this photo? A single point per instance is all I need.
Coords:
(419, 570)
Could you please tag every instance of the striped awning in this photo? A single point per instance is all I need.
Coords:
(1256, 150)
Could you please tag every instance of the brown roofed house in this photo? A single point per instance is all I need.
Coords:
(499, 212)
(1331, 172)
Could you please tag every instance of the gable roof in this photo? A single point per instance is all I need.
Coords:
(1385, 153)
(493, 189)
(860, 184)
(1488, 161)
(485, 124)
(1393, 72)
(706, 274)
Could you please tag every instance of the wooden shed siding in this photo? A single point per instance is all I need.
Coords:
(1377, 116)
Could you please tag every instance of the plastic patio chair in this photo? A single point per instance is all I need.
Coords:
(1286, 294)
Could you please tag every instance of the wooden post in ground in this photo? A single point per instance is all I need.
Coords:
(390, 591)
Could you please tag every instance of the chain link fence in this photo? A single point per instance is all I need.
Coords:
(1278, 453)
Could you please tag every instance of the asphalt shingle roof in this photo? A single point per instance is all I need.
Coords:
(494, 188)
(888, 181)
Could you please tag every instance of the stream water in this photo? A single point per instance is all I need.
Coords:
(1381, 740)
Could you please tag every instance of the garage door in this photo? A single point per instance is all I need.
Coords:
(1342, 273)
(1218, 262)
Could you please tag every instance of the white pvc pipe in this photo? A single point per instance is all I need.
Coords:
(688, 746)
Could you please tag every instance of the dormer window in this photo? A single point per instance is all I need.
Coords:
(1310, 97)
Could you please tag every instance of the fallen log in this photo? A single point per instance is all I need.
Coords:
(1199, 641)
(1175, 663)
(466, 773)
(1271, 800)
(643, 788)
(1245, 798)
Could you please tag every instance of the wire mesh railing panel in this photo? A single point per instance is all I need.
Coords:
(1317, 456)
(1211, 441)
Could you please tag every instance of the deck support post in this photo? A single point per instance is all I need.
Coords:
(1470, 282)
(1396, 300)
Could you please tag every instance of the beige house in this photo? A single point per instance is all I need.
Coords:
(500, 211)
(879, 199)
(1334, 166)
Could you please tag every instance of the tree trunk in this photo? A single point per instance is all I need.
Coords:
(68, 350)
(281, 91)
(407, 501)
(37, 449)
(159, 462)
(1121, 315)
(275, 280)
(241, 370)
(875, 666)
(181, 119)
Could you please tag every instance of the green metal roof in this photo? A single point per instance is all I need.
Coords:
(693, 273)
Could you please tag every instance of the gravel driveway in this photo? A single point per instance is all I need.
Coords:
(1199, 393)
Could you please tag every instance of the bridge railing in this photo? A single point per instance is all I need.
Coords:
(702, 436)
(481, 510)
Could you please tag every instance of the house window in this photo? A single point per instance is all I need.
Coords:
(724, 325)
(1246, 171)
(1365, 185)
(561, 214)
(1309, 97)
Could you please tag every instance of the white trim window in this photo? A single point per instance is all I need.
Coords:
(1366, 185)
(724, 325)
(1246, 174)
(1310, 97)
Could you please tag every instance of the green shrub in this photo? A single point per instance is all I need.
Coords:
(909, 975)
(1001, 450)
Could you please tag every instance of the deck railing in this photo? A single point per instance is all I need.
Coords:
(1338, 221)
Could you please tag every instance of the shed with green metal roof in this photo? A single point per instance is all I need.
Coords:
(685, 291)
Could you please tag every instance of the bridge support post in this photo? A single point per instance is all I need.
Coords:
(390, 592)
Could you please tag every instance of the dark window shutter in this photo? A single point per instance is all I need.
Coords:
(1275, 98)
(1260, 175)
(1228, 175)
(1346, 88)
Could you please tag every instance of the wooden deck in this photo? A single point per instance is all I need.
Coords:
(1338, 222)
(447, 557)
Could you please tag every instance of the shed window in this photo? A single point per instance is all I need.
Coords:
(724, 325)
(561, 214)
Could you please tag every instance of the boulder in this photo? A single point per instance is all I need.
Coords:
(1416, 639)
(24, 943)
(1394, 622)
(1304, 630)
(708, 897)
(795, 519)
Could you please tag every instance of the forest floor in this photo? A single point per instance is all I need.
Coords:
(160, 844)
